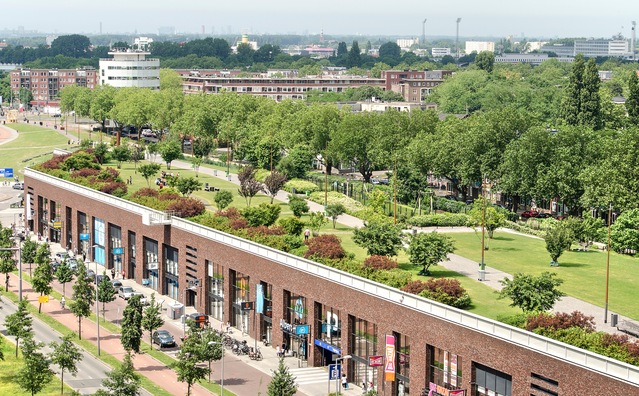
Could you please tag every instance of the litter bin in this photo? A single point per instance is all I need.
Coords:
(614, 318)
(214, 172)
(293, 191)
(175, 310)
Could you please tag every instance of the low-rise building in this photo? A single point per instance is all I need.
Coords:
(130, 68)
(439, 52)
(413, 85)
(407, 43)
(479, 46)
(533, 59)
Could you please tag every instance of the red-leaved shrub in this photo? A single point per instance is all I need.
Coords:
(110, 187)
(187, 207)
(450, 287)
(324, 246)
(54, 163)
(380, 263)
(238, 224)
(168, 197)
(561, 320)
(264, 230)
(415, 287)
(230, 213)
(85, 172)
(108, 174)
(146, 192)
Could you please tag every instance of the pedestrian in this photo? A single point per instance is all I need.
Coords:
(222, 327)
(307, 232)
(243, 329)
(363, 387)
(344, 383)
(62, 302)
(84, 256)
(277, 351)
(112, 273)
(228, 327)
(122, 274)
(130, 179)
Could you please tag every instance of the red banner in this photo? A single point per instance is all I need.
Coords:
(374, 361)
(389, 369)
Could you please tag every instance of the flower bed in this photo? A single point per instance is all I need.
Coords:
(352, 206)
(301, 186)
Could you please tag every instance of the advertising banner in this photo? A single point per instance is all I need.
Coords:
(259, 299)
(453, 370)
(375, 361)
(6, 172)
(445, 367)
(28, 202)
(389, 369)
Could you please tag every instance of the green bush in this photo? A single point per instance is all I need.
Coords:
(264, 214)
(298, 205)
(301, 186)
(293, 241)
(517, 320)
(441, 220)
(396, 278)
(352, 206)
(292, 225)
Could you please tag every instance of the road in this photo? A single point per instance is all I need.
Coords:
(91, 371)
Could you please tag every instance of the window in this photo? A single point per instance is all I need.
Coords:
(491, 382)
(171, 260)
(329, 326)
(241, 288)
(363, 345)
(445, 368)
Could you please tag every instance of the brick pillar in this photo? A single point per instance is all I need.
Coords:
(279, 313)
(419, 362)
(315, 353)
(139, 256)
(228, 304)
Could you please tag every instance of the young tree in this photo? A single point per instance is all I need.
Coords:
(35, 374)
(19, 324)
(137, 155)
(334, 211)
(571, 104)
(632, 102)
(148, 172)
(64, 274)
(65, 355)
(249, 187)
(282, 382)
(187, 185)
(43, 274)
(121, 154)
(558, 240)
(106, 293)
(7, 263)
(223, 198)
(429, 248)
(152, 319)
(101, 151)
(298, 205)
(29, 249)
(532, 293)
(122, 380)
(492, 220)
(188, 359)
(210, 353)
(274, 183)
(83, 296)
(379, 238)
(170, 150)
(196, 165)
(316, 221)
(354, 58)
(132, 325)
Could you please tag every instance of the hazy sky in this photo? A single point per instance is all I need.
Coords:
(498, 18)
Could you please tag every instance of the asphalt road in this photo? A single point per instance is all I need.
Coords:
(91, 371)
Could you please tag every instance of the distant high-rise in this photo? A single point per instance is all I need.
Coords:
(212, 30)
(202, 29)
(228, 29)
(166, 31)
(100, 27)
(322, 36)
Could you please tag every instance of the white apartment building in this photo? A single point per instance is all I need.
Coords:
(439, 52)
(130, 68)
(142, 43)
(406, 43)
(479, 46)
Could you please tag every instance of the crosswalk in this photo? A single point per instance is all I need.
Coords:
(311, 375)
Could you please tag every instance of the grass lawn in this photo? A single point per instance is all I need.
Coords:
(32, 140)
(9, 368)
(584, 273)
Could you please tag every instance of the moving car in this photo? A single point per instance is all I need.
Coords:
(126, 292)
(116, 284)
(530, 213)
(163, 338)
(100, 277)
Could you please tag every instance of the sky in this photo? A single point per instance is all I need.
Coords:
(497, 18)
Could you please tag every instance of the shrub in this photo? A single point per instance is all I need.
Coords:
(108, 174)
(298, 205)
(112, 187)
(293, 241)
(263, 214)
(187, 207)
(561, 320)
(325, 246)
(239, 224)
(415, 287)
(333, 197)
(85, 172)
(441, 220)
(446, 291)
(300, 186)
(263, 230)
(54, 163)
(230, 213)
(396, 278)
(380, 263)
(168, 197)
(292, 225)
(517, 320)
(145, 192)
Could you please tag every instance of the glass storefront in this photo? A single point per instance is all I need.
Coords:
(151, 263)
(402, 348)
(363, 345)
(265, 293)
(216, 290)
(329, 332)
(83, 225)
(171, 272)
(115, 240)
(132, 264)
(56, 218)
(99, 238)
(296, 315)
(240, 291)
(445, 369)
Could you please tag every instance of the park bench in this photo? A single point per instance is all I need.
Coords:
(629, 327)
(211, 188)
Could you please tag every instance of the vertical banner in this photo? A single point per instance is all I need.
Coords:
(27, 200)
(389, 369)
(453, 370)
(259, 297)
(445, 367)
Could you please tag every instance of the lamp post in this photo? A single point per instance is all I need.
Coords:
(337, 380)
(97, 301)
(482, 265)
(608, 264)
(222, 381)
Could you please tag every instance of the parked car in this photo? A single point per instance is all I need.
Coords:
(116, 284)
(126, 292)
(562, 217)
(18, 186)
(163, 338)
(100, 277)
(451, 197)
(96, 129)
(57, 115)
(187, 142)
(90, 274)
(470, 201)
(61, 256)
(530, 213)
(148, 133)
(55, 265)
(543, 216)
(73, 264)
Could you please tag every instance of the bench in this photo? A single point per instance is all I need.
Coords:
(211, 188)
(629, 327)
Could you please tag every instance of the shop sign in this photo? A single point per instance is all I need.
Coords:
(440, 390)
(247, 305)
(84, 237)
(389, 370)
(118, 251)
(301, 330)
(375, 361)
(57, 224)
(328, 347)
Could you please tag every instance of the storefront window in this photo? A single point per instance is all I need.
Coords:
(240, 292)
(115, 240)
(171, 272)
(132, 263)
(99, 236)
(216, 290)
(363, 345)
(491, 382)
(445, 369)
(330, 327)
(265, 293)
(151, 262)
(295, 342)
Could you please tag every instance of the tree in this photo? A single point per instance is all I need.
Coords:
(632, 102)
(571, 104)
(152, 319)
(83, 296)
(624, 234)
(35, 374)
(187, 185)
(170, 150)
(122, 380)
(106, 292)
(447, 60)
(485, 61)
(210, 352)
(121, 154)
(249, 187)
(19, 324)
(101, 151)
(148, 172)
(188, 359)
(379, 238)
(72, 45)
(170, 80)
(316, 221)
(532, 293)
(282, 382)
(429, 248)
(354, 58)
(43, 274)
(137, 155)
(65, 355)
(223, 198)
(132, 325)
(492, 219)
(64, 274)
(342, 49)
(590, 114)
(273, 183)
(558, 240)
(390, 49)
(333, 211)
(298, 205)
(29, 248)
(7, 263)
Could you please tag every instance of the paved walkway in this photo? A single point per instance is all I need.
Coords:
(7, 134)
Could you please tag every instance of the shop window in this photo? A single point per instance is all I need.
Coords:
(363, 346)
(491, 382)
(151, 263)
(329, 326)
(445, 369)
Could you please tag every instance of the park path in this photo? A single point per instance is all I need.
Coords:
(7, 134)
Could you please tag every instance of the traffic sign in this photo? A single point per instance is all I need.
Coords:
(247, 305)
(43, 299)
(334, 371)
(6, 172)
(118, 250)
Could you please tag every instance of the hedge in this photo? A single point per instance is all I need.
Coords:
(441, 220)
(301, 186)
(352, 206)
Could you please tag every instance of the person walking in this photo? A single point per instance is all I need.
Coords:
(307, 233)
(112, 273)
(62, 302)
(122, 274)
(344, 383)
(243, 329)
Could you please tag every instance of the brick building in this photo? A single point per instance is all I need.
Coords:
(319, 312)
(414, 85)
(46, 84)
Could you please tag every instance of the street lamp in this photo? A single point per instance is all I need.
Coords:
(337, 379)
(97, 302)
(222, 348)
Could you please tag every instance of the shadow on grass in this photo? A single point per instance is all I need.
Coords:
(503, 238)
(571, 265)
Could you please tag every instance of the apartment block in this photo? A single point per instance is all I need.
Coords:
(46, 84)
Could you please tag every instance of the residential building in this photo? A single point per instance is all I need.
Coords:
(618, 47)
(407, 43)
(533, 59)
(142, 43)
(380, 106)
(413, 85)
(479, 46)
(46, 84)
(439, 52)
(130, 68)
(318, 52)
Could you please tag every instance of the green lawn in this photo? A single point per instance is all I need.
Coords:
(584, 273)
(9, 368)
